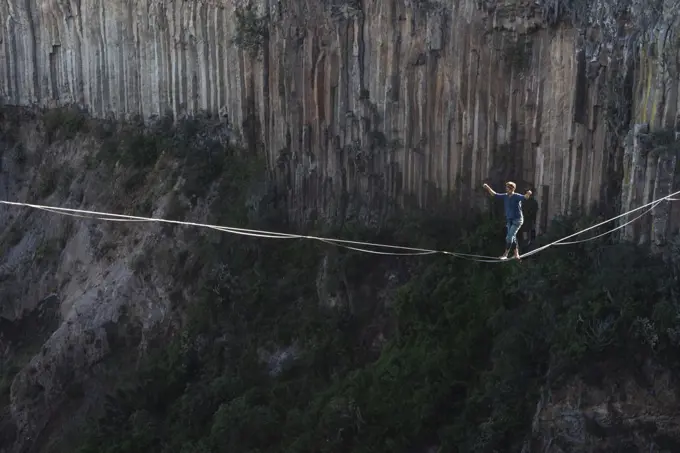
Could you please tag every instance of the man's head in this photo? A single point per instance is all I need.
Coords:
(510, 187)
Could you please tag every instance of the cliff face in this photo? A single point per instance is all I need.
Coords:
(80, 301)
(361, 103)
(609, 409)
(85, 302)
(356, 105)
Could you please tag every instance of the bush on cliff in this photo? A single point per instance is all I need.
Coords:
(468, 346)
(301, 347)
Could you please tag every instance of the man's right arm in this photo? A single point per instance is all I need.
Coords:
(490, 190)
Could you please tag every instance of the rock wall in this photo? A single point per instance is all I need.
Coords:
(372, 102)
(608, 411)
(108, 290)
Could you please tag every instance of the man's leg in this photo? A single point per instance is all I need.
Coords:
(508, 242)
(512, 236)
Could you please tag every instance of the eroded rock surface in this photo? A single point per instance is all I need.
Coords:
(108, 286)
(362, 103)
(634, 410)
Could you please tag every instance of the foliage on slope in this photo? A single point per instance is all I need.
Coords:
(468, 345)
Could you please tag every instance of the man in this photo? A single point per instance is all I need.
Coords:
(513, 214)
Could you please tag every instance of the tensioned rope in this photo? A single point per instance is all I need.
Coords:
(410, 251)
(561, 241)
(618, 227)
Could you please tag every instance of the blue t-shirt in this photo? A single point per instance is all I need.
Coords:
(513, 205)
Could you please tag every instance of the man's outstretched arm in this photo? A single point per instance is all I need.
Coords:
(489, 189)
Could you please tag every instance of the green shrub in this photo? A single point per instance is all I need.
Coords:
(64, 123)
(468, 347)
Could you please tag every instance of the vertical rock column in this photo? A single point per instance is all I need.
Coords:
(665, 176)
(634, 166)
(648, 175)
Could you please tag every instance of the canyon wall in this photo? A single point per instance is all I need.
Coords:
(365, 103)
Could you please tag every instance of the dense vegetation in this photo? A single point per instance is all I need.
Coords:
(468, 348)
(466, 345)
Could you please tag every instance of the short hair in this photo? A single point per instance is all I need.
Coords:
(511, 184)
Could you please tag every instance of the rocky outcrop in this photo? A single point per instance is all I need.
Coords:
(606, 411)
(110, 287)
(359, 104)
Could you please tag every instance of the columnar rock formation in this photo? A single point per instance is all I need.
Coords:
(358, 103)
